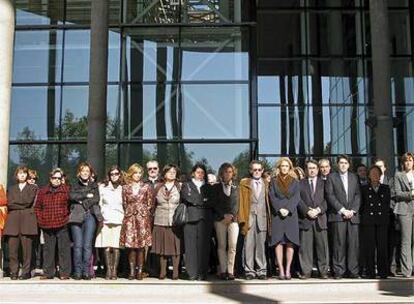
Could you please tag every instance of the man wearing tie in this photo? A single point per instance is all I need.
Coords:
(254, 216)
(343, 195)
(312, 223)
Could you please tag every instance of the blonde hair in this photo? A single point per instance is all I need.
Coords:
(276, 169)
(134, 168)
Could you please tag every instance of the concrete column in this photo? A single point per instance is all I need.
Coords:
(98, 76)
(380, 44)
(6, 64)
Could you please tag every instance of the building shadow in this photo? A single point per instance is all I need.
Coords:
(400, 287)
(234, 291)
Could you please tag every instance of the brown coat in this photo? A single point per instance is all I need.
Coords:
(245, 195)
(21, 218)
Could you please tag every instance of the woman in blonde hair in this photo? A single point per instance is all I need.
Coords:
(139, 205)
(284, 196)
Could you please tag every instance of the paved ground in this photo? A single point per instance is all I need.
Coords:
(155, 291)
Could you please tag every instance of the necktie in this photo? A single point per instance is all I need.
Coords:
(312, 188)
(345, 185)
(257, 188)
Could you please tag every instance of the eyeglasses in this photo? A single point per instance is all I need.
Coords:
(152, 169)
(56, 178)
(257, 170)
(114, 174)
(31, 178)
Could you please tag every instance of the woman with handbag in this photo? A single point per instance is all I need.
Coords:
(84, 199)
(138, 203)
(197, 231)
(167, 237)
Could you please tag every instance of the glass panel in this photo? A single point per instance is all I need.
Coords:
(152, 54)
(154, 11)
(337, 81)
(74, 112)
(214, 11)
(282, 82)
(70, 157)
(141, 153)
(339, 3)
(205, 51)
(111, 157)
(79, 12)
(402, 81)
(77, 52)
(113, 112)
(42, 158)
(313, 130)
(398, 3)
(222, 113)
(335, 33)
(114, 53)
(35, 113)
(150, 112)
(403, 131)
(273, 38)
(30, 12)
(37, 56)
(399, 23)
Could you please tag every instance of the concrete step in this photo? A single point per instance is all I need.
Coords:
(396, 290)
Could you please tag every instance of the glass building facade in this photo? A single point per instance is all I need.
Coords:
(206, 80)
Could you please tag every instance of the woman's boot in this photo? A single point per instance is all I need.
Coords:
(132, 263)
(108, 263)
(140, 262)
(115, 262)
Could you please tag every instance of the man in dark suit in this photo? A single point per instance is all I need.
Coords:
(343, 195)
(312, 223)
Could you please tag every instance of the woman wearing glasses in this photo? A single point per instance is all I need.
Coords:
(110, 201)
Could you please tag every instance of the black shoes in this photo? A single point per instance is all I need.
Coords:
(304, 276)
(13, 276)
(77, 277)
(249, 277)
(25, 276)
(262, 277)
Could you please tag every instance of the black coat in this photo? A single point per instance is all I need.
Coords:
(307, 201)
(375, 206)
(336, 197)
(223, 204)
(78, 195)
(198, 203)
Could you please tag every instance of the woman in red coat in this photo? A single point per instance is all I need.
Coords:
(136, 231)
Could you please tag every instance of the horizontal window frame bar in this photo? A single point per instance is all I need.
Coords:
(136, 141)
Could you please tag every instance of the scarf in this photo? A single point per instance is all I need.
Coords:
(283, 182)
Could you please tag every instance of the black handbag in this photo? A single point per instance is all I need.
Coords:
(180, 215)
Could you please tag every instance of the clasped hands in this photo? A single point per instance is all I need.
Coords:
(347, 214)
(228, 218)
(283, 212)
(313, 212)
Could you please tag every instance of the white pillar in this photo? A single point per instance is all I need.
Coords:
(6, 64)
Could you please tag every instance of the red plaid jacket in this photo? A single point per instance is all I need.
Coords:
(52, 207)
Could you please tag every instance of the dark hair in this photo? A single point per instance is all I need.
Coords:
(108, 175)
(168, 168)
(312, 161)
(18, 169)
(378, 159)
(224, 167)
(255, 162)
(202, 167)
(361, 165)
(343, 156)
(375, 167)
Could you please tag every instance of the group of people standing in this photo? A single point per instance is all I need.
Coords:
(279, 218)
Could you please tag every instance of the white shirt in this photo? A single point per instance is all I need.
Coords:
(313, 181)
(198, 184)
(227, 188)
(410, 177)
(110, 200)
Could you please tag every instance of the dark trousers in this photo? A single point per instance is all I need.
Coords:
(374, 239)
(14, 245)
(345, 251)
(314, 238)
(59, 236)
(197, 238)
(394, 246)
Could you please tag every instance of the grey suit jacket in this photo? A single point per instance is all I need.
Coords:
(402, 192)
(336, 196)
(307, 201)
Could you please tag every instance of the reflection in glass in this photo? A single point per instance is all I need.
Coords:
(77, 52)
(37, 56)
(42, 158)
(152, 54)
(79, 12)
(154, 11)
(207, 50)
(70, 157)
(34, 113)
(150, 112)
(294, 130)
(402, 81)
(29, 12)
(399, 23)
(215, 111)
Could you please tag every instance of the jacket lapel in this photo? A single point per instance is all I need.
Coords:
(339, 181)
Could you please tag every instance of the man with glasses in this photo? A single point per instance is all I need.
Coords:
(153, 171)
(253, 217)
(52, 212)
